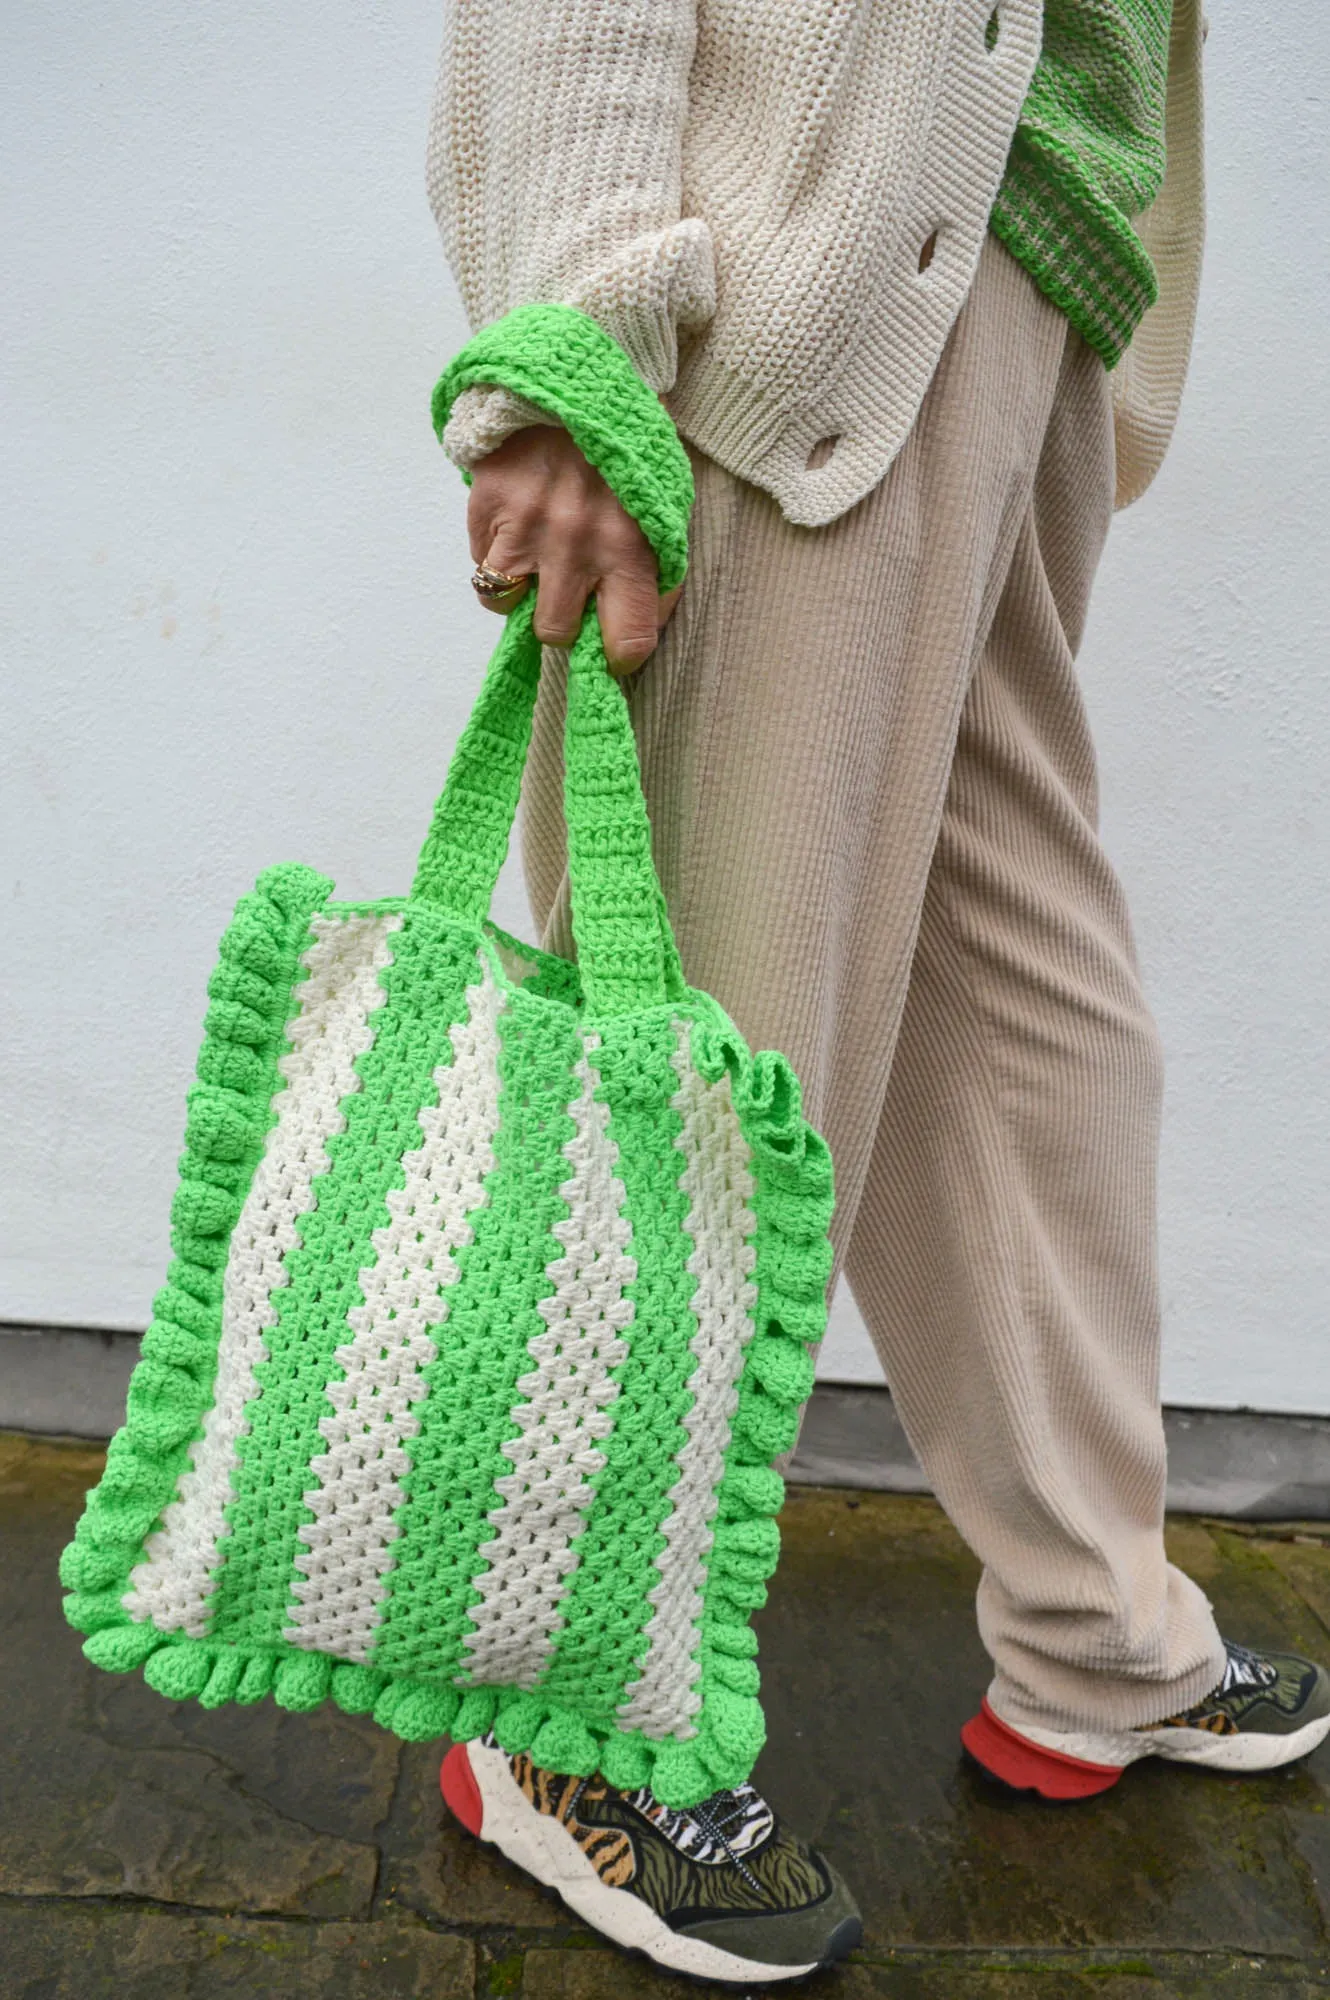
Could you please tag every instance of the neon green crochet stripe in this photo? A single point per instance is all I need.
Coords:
(626, 953)
(606, 1608)
(560, 359)
(425, 996)
(468, 1414)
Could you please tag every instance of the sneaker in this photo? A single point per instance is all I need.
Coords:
(721, 1891)
(1269, 1709)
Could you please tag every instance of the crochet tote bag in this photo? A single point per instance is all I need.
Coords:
(493, 1283)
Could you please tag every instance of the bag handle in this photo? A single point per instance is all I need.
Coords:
(561, 360)
(625, 948)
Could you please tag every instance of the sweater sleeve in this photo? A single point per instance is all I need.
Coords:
(1148, 382)
(554, 173)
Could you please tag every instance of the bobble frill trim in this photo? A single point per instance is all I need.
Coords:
(791, 1166)
(229, 1111)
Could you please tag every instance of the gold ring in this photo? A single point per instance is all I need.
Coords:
(492, 584)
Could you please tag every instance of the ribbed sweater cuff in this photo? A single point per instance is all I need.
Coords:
(1080, 250)
(483, 418)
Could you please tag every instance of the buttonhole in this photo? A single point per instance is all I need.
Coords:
(821, 452)
(991, 32)
(926, 250)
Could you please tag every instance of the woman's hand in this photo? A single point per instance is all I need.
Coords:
(536, 505)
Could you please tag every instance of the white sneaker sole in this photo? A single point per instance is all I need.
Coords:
(1245, 1753)
(544, 1847)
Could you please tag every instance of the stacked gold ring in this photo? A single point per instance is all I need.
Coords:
(492, 586)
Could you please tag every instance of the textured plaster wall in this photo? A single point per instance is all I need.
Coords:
(236, 626)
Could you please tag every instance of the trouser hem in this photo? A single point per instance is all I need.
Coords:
(1105, 1701)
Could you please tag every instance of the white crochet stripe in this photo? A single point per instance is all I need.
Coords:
(342, 1587)
(566, 1412)
(716, 1177)
(174, 1584)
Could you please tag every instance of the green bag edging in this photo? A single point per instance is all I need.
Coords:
(560, 359)
(793, 1201)
(229, 1113)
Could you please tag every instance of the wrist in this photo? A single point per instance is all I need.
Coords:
(559, 362)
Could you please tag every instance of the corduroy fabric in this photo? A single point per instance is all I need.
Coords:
(873, 801)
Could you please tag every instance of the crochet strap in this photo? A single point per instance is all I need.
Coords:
(625, 948)
(473, 815)
(561, 360)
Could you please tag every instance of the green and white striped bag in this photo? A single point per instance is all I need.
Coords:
(494, 1276)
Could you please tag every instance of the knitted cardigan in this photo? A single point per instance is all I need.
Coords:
(775, 207)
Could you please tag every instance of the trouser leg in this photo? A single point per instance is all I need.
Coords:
(796, 723)
(797, 729)
(1004, 1248)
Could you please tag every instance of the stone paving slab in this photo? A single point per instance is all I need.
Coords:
(55, 1951)
(598, 1975)
(113, 1791)
(149, 1847)
(862, 1755)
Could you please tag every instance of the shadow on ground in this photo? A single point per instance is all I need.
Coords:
(157, 1852)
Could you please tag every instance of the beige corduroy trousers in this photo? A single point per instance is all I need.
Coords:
(874, 807)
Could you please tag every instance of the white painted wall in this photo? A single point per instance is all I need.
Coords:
(236, 625)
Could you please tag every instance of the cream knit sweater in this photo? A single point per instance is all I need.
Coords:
(775, 206)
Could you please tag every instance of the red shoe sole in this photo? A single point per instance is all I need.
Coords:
(1023, 1766)
(461, 1794)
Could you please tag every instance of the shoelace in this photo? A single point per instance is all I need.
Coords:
(700, 1831)
(713, 1818)
(715, 1826)
(1243, 1668)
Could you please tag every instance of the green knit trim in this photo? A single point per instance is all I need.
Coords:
(563, 361)
(626, 954)
(230, 1110)
(472, 820)
(1089, 154)
(550, 978)
(426, 983)
(1081, 251)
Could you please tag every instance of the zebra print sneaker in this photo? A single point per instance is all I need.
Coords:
(721, 1891)
(1269, 1709)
